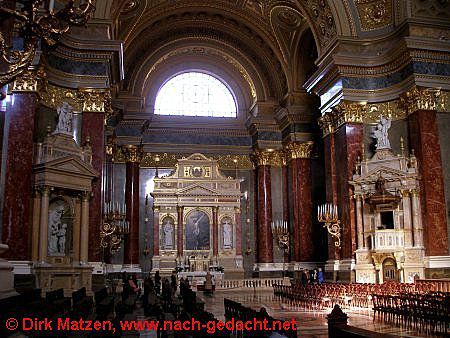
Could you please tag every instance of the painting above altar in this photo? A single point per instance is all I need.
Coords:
(197, 231)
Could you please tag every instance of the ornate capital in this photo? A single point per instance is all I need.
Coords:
(44, 190)
(180, 208)
(415, 193)
(53, 96)
(405, 193)
(299, 149)
(85, 196)
(267, 157)
(96, 100)
(31, 80)
(326, 124)
(237, 210)
(132, 153)
(215, 209)
(423, 99)
(156, 208)
(348, 112)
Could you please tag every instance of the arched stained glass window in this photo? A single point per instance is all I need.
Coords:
(195, 94)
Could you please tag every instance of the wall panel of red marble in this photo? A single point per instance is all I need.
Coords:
(265, 238)
(131, 245)
(424, 139)
(93, 127)
(348, 140)
(17, 208)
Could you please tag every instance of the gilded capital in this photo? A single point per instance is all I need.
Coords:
(237, 210)
(299, 149)
(215, 209)
(132, 153)
(96, 100)
(271, 157)
(415, 193)
(180, 208)
(326, 124)
(156, 208)
(423, 99)
(30, 81)
(85, 196)
(44, 190)
(348, 112)
(405, 193)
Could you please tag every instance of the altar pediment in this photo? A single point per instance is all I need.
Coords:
(56, 172)
(198, 190)
(389, 174)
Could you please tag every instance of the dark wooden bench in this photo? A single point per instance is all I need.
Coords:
(82, 305)
(104, 303)
(58, 302)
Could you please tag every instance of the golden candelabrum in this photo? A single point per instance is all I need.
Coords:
(37, 22)
(280, 231)
(328, 214)
(114, 227)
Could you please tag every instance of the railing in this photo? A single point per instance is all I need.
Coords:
(387, 239)
(258, 283)
(442, 285)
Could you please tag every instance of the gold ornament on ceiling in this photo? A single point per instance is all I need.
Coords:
(374, 14)
(35, 24)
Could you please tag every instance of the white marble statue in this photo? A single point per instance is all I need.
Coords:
(64, 119)
(381, 133)
(168, 234)
(227, 234)
(57, 232)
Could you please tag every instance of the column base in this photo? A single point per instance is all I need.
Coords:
(437, 266)
(340, 270)
(6, 276)
(131, 268)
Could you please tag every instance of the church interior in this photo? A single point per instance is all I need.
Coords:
(218, 159)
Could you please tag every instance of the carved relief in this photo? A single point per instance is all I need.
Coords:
(374, 14)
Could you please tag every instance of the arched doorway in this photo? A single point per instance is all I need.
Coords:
(390, 272)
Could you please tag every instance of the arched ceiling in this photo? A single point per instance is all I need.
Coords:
(261, 39)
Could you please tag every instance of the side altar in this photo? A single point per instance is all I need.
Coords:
(197, 219)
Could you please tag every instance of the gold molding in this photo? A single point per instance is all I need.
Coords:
(53, 96)
(31, 80)
(132, 153)
(297, 150)
(96, 100)
(423, 99)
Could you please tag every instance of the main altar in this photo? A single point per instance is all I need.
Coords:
(197, 219)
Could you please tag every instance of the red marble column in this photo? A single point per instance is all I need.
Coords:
(180, 231)
(238, 241)
(295, 210)
(286, 218)
(348, 139)
(18, 193)
(215, 215)
(93, 130)
(424, 139)
(265, 239)
(330, 186)
(155, 231)
(131, 245)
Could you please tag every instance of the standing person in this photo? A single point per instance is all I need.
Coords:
(157, 282)
(315, 279)
(320, 276)
(304, 277)
(173, 283)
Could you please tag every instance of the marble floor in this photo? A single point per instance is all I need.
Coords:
(309, 323)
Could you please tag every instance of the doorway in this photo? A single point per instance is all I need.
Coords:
(390, 272)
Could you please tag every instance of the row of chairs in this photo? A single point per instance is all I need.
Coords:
(429, 313)
(237, 311)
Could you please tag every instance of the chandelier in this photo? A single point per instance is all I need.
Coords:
(114, 227)
(37, 23)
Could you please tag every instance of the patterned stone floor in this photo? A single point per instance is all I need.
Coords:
(309, 323)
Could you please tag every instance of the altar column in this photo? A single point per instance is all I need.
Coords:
(43, 224)
(133, 156)
(215, 215)
(417, 220)
(84, 228)
(180, 231)
(300, 168)
(18, 185)
(359, 221)
(264, 207)
(406, 206)
(155, 231)
(238, 241)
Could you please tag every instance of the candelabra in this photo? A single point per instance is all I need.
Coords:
(114, 227)
(37, 24)
(328, 214)
(280, 231)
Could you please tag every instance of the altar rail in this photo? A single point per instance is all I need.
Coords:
(442, 285)
(254, 283)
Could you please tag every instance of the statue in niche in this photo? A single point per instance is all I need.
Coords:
(57, 231)
(227, 233)
(381, 133)
(168, 233)
(64, 119)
